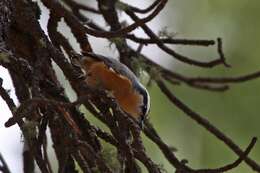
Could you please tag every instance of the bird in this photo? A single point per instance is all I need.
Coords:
(112, 75)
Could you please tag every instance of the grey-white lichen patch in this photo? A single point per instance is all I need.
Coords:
(29, 129)
(25, 1)
(117, 40)
(104, 7)
(42, 43)
(4, 57)
(165, 33)
(121, 6)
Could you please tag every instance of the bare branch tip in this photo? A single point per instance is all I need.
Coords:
(221, 53)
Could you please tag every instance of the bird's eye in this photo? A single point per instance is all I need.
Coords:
(143, 109)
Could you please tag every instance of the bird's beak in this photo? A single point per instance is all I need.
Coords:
(140, 122)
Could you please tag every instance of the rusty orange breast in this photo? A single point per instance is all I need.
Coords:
(99, 75)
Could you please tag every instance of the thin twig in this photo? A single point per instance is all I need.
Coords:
(4, 167)
(206, 124)
(146, 10)
(79, 6)
(180, 57)
(171, 41)
(231, 165)
(74, 23)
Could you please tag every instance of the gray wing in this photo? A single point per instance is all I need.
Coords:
(116, 66)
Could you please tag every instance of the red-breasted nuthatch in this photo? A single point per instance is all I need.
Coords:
(111, 75)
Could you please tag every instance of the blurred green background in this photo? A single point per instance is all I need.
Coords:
(235, 111)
